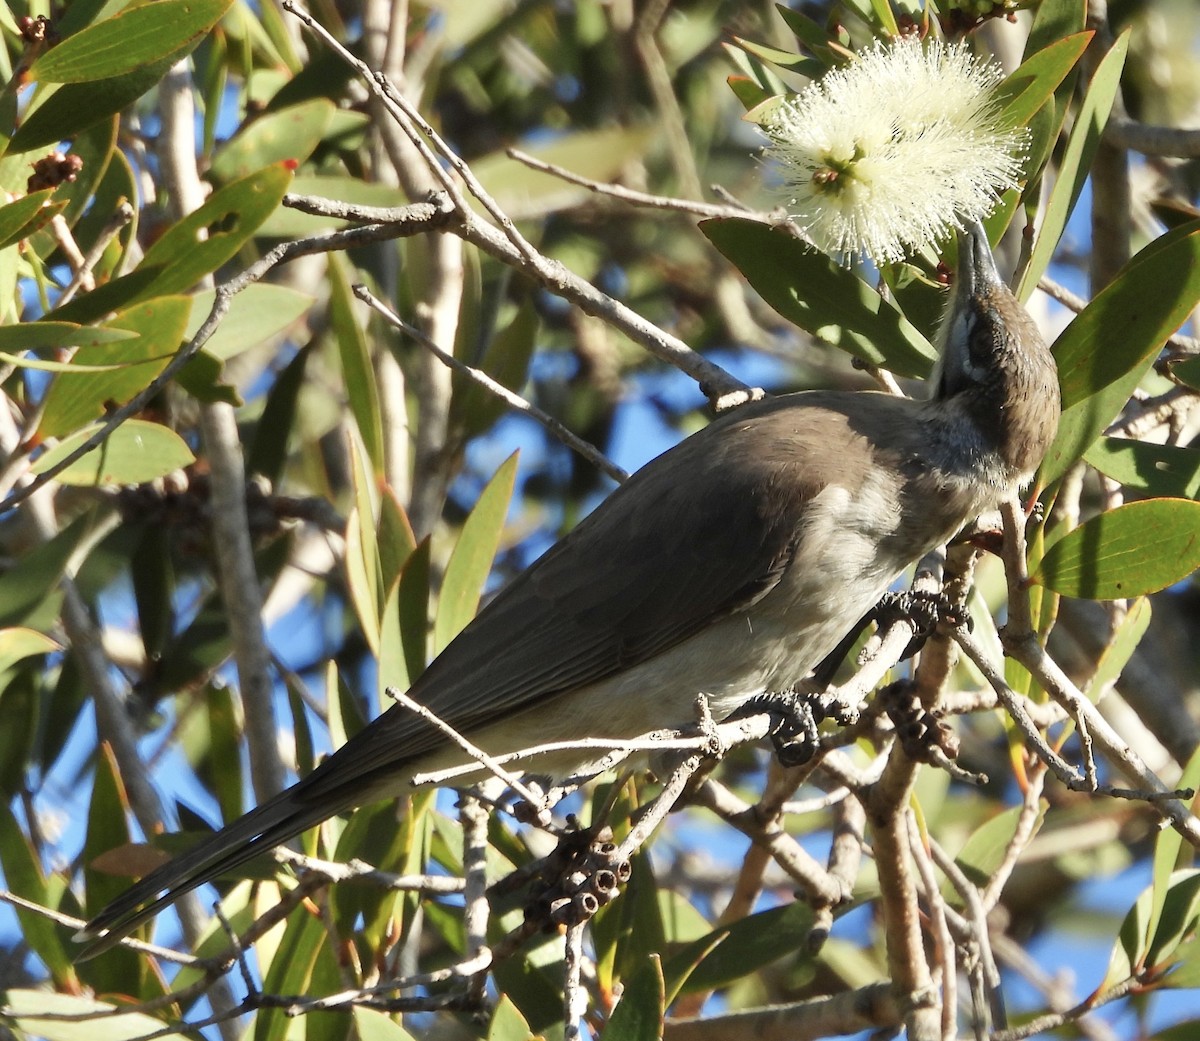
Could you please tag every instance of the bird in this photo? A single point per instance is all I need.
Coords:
(728, 566)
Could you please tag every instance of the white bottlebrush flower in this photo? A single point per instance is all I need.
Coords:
(888, 154)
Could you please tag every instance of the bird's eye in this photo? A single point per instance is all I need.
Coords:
(981, 340)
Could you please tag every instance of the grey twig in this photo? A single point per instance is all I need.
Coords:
(510, 398)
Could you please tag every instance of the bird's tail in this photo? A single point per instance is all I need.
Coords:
(260, 830)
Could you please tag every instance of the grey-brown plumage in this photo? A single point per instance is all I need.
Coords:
(730, 565)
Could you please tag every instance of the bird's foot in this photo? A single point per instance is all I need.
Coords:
(582, 875)
(924, 737)
(924, 611)
(794, 720)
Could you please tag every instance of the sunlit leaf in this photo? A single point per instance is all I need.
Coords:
(832, 303)
(20, 219)
(1104, 352)
(1136, 549)
(471, 560)
(1076, 162)
(136, 452)
(139, 35)
(291, 133)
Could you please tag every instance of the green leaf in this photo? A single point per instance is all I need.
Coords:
(371, 1025)
(35, 574)
(289, 971)
(268, 452)
(1031, 85)
(1053, 20)
(1163, 471)
(1136, 549)
(832, 303)
(136, 452)
(414, 610)
(358, 375)
(598, 154)
(285, 223)
(291, 133)
(507, 1023)
(23, 876)
(89, 1019)
(639, 1014)
(20, 219)
(75, 107)
(257, 313)
(1104, 352)
(184, 255)
(506, 360)
(133, 37)
(743, 947)
(1166, 856)
(471, 559)
(1120, 648)
(77, 398)
(35, 336)
(1076, 162)
(107, 830)
(985, 850)
(18, 643)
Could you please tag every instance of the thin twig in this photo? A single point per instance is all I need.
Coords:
(510, 398)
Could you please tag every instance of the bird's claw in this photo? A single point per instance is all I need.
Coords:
(923, 736)
(923, 611)
(794, 721)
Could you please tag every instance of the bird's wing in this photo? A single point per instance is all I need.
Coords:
(697, 534)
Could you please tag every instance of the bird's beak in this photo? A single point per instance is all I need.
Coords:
(977, 274)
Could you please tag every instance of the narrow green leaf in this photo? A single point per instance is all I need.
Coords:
(361, 578)
(832, 303)
(598, 154)
(984, 850)
(507, 1023)
(414, 610)
(284, 223)
(75, 399)
(1104, 352)
(1136, 549)
(357, 371)
(18, 643)
(1053, 20)
(106, 830)
(136, 452)
(1029, 87)
(23, 875)
(1166, 857)
(506, 360)
(471, 560)
(75, 107)
(289, 971)
(1076, 162)
(184, 255)
(34, 575)
(269, 449)
(396, 538)
(743, 947)
(133, 37)
(36, 336)
(1163, 471)
(639, 1014)
(1120, 648)
(290, 133)
(20, 219)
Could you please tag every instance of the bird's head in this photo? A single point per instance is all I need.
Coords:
(993, 358)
